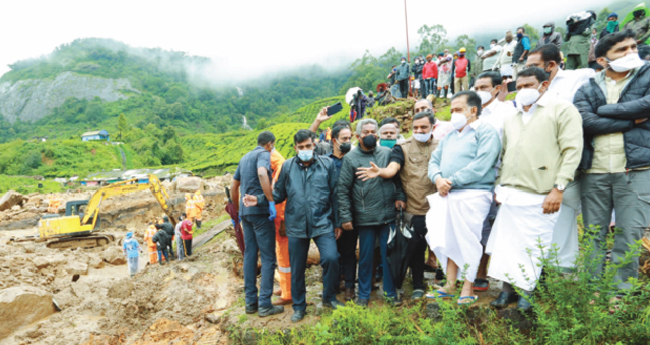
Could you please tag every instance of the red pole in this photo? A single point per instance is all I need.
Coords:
(408, 51)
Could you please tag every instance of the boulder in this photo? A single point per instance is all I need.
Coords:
(11, 199)
(121, 289)
(189, 184)
(94, 261)
(40, 262)
(77, 267)
(114, 256)
(20, 306)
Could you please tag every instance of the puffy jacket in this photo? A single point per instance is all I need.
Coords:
(417, 71)
(371, 202)
(430, 70)
(167, 227)
(162, 240)
(309, 192)
(403, 71)
(599, 118)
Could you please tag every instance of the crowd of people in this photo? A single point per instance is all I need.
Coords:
(161, 236)
(485, 191)
(444, 73)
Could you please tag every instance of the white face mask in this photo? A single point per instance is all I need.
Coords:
(486, 96)
(422, 137)
(526, 97)
(458, 120)
(626, 63)
(492, 46)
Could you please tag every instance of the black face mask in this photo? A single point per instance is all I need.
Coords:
(345, 147)
(369, 141)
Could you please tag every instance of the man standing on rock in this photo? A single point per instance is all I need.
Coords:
(308, 184)
(253, 175)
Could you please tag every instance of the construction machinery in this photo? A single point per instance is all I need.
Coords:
(81, 222)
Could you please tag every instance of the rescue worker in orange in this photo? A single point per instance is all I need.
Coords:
(190, 207)
(53, 204)
(281, 239)
(151, 245)
(199, 203)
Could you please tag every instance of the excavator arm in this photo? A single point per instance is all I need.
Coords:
(127, 187)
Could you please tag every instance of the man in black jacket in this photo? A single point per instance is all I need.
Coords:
(308, 183)
(169, 229)
(162, 241)
(368, 206)
(616, 157)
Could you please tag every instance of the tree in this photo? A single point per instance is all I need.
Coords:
(432, 39)
(532, 33)
(122, 125)
(601, 23)
(463, 41)
(168, 134)
(95, 112)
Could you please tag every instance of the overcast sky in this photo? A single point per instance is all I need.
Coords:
(251, 37)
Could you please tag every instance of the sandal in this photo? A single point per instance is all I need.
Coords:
(439, 294)
(469, 300)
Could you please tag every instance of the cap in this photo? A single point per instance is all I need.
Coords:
(549, 24)
(462, 50)
(612, 15)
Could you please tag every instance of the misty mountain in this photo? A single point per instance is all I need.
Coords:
(87, 84)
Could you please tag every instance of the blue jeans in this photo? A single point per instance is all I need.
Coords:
(367, 237)
(259, 236)
(429, 86)
(329, 261)
(161, 253)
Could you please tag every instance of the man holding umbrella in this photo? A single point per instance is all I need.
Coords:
(410, 159)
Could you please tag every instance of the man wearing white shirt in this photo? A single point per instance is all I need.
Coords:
(494, 112)
(505, 58)
(491, 56)
(564, 85)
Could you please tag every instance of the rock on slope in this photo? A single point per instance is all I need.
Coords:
(30, 100)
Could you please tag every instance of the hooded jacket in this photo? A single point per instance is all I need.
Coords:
(309, 192)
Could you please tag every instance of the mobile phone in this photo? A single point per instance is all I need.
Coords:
(333, 109)
(512, 86)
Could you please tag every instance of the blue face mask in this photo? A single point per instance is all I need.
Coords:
(305, 155)
(388, 143)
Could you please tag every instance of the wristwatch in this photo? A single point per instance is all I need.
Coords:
(559, 187)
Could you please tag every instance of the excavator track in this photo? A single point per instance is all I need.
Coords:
(85, 242)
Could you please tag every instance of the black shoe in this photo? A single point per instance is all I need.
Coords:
(333, 304)
(251, 308)
(362, 302)
(395, 301)
(523, 305)
(440, 274)
(298, 315)
(504, 299)
(276, 309)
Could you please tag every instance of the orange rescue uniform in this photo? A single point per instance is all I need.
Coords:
(151, 245)
(282, 243)
(199, 203)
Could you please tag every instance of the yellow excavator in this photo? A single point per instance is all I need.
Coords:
(76, 229)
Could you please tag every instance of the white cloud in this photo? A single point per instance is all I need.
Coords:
(250, 38)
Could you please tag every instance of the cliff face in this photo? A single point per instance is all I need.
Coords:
(31, 100)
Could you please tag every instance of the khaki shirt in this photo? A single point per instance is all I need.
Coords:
(609, 149)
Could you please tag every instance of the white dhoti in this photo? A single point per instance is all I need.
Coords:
(519, 229)
(565, 233)
(455, 224)
(506, 70)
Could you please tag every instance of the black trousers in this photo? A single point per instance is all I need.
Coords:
(404, 88)
(188, 247)
(347, 246)
(416, 252)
